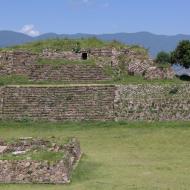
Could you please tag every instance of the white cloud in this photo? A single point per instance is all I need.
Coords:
(30, 30)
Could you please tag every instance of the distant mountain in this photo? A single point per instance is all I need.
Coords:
(153, 42)
(8, 38)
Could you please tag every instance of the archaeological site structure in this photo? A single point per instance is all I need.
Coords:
(61, 85)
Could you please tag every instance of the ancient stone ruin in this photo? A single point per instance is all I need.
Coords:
(95, 102)
(26, 63)
(83, 92)
(29, 160)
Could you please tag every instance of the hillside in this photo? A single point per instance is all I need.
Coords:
(8, 38)
(153, 42)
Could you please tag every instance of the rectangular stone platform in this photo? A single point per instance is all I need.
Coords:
(24, 166)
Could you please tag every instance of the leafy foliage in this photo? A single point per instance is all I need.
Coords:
(163, 58)
(181, 55)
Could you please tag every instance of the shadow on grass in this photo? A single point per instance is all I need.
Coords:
(86, 170)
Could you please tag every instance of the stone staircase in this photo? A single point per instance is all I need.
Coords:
(68, 73)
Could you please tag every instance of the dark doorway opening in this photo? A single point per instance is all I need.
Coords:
(185, 77)
(84, 56)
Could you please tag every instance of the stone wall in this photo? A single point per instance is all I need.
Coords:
(159, 73)
(53, 54)
(16, 62)
(34, 171)
(68, 73)
(24, 63)
(152, 102)
(136, 63)
(58, 103)
(96, 102)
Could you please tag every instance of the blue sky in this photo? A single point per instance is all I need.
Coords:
(95, 16)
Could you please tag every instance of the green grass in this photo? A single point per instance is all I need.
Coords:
(65, 62)
(128, 79)
(37, 153)
(66, 45)
(138, 49)
(118, 156)
(116, 79)
(36, 156)
(120, 77)
(13, 79)
(163, 65)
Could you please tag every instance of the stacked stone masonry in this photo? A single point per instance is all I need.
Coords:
(25, 64)
(67, 73)
(58, 103)
(108, 102)
(41, 171)
(152, 102)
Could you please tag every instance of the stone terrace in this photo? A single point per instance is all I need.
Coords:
(95, 102)
(82, 102)
(68, 73)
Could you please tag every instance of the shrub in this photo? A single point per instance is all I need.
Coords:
(181, 55)
(163, 58)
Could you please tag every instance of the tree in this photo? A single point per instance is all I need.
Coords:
(163, 58)
(181, 55)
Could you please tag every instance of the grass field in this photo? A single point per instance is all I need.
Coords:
(144, 156)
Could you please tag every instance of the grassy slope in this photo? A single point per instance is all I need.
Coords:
(68, 45)
(120, 156)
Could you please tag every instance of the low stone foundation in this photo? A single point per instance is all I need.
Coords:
(31, 171)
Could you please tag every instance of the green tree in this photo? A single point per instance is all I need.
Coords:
(181, 55)
(163, 58)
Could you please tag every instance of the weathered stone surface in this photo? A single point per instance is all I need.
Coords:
(158, 73)
(131, 102)
(53, 54)
(19, 152)
(67, 73)
(25, 63)
(59, 103)
(152, 102)
(16, 62)
(2, 149)
(125, 102)
(25, 138)
(138, 67)
(30, 171)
